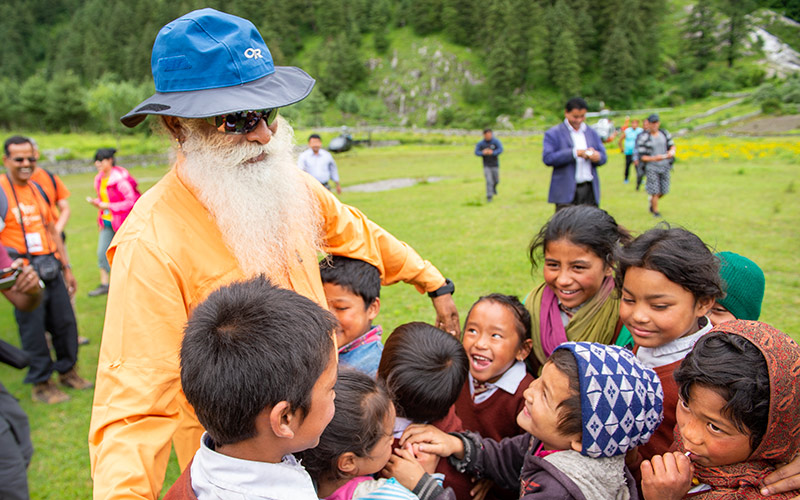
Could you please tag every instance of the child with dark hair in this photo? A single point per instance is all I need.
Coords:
(738, 416)
(424, 369)
(669, 280)
(258, 366)
(357, 443)
(497, 338)
(591, 405)
(576, 302)
(353, 288)
(744, 289)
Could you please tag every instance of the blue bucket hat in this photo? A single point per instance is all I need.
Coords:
(208, 63)
(622, 402)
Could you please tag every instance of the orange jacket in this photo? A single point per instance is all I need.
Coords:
(166, 258)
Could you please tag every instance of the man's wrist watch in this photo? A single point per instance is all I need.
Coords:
(448, 287)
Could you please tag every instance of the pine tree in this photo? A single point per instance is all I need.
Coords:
(736, 12)
(618, 66)
(426, 16)
(699, 35)
(566, 72)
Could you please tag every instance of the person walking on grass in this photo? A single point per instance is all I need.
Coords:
(116, 194)
(627, 142)
(489, 148)
(319, 163)
(657, 152)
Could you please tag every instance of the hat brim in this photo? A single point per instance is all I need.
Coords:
(287, 85)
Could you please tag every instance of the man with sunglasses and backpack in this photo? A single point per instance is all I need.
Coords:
(27, 230)
(234, 206)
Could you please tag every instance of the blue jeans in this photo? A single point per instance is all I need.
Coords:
(103, 242)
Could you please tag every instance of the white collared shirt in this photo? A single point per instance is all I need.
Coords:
(321, 165)
(583, 167)
(653, 357)
(509, 382)
(219, 476)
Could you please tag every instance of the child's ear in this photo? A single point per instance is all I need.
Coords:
(703, 305)
(374, 308)
(283, 421)
(609, 270)
(576, 444)
(524, 350)
(347, 463)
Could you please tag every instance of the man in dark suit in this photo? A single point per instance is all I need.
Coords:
(574, 150)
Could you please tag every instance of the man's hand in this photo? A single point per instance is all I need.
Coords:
(27, 281)
(592, 155)
(785, 479)
(666, 477)
(404, 467)
(69, 280)
(429, 439)
(487, 152)
(446, 314)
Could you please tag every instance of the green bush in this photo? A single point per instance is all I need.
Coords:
(771, 106)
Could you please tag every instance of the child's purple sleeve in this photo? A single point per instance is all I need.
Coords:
(499, 461)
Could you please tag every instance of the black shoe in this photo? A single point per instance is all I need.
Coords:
(100, 290)
(656, 214)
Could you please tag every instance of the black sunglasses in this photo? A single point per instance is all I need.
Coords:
(21, 159)
(242, 122)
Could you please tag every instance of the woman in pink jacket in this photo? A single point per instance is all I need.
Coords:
(116, 191)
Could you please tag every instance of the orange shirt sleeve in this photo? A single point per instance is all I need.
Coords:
(348, 232)
(138, 401)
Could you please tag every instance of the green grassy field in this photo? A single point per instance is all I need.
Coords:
(738, 195)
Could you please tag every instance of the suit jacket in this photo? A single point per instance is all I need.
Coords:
(557, 153)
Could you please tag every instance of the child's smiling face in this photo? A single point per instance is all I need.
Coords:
(657, 310)
(492, 341)
(573, 272)
(711, 437)
(540, 415)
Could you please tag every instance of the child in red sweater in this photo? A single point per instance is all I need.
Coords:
(669, 281)
(497, 339)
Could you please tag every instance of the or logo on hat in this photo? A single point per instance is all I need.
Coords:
(252, 53)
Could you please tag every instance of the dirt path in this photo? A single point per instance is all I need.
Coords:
(768, 125)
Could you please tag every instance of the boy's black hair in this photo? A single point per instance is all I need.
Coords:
(362, 405)
(487, 130)
(582, 225)
(734, 368)
(247, 347)
(15, 139)
(314, 136)
(678, 254)
(424, 369)
(569, 411)
(522, 318)
(358, 277)
(575, 103)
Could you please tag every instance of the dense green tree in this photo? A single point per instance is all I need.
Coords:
(110, 99)
(737, 25)
(65, 103)
(426, 16)
(33, 101)
(338, 67)
(566, 72)
(10, 109)
(617, 63)
(699, 35)
(463, 21)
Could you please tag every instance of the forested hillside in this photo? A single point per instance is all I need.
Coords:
(79, 64)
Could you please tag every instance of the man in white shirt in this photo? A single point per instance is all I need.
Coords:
(319, 163)
(574, 151)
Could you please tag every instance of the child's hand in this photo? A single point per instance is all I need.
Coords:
(404, 467)
(432, 440)
(428, 461)
(668, 477)
(481, 488)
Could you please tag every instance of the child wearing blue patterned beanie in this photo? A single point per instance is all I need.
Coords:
(592, 403)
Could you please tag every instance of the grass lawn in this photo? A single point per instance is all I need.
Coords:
(736, 194)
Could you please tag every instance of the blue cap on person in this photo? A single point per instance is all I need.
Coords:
(209, 63)
(622, 402)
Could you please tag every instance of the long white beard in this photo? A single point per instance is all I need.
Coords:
(263, 209)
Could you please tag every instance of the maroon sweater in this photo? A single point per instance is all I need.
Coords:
(494, 418)
(460, 483)
(663, 437)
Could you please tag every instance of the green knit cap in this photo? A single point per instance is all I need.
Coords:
(745, 286)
